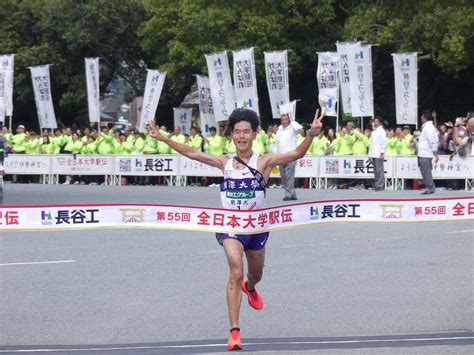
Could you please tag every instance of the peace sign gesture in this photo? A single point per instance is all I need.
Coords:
(317, 124)
(155, 132)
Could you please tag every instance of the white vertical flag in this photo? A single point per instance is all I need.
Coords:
(344, 50)
(153, 87)
(93, 95)
(206, 109)
(405, 67)
(276, 70)
(182, 119)
(245, 80)
(360, 72)
(328, 82)
(6, 83)
(289, 109)
(222, 91)
(44, 101)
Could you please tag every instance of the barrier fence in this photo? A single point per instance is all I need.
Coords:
(176, 168)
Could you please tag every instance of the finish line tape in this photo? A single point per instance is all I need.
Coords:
(70, 217)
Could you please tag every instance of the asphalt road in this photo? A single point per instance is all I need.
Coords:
(405, 288)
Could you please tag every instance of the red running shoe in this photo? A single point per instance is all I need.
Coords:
(234, 342)
(255, 299)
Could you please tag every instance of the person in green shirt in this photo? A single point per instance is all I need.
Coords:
(177, 137)
(164, 148)
(405, 145)
(18, 140)
(230, 147)
(105, 142)
(271, 141)
(260, 142)
(319, 145)
(151, 144)
(138, 143)
(47, 147)
(89, 147)
(85, 135)
(391, 143)
(57, 141)
(343, 143)
(214, 143)
(76, 144)
(361, 143)
(195, 139)
(67, 133)
(8, 136)
(32, 143)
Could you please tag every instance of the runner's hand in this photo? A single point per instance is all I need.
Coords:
(317, 124)
(155, 132)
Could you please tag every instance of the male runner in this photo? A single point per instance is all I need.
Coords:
(239, 178)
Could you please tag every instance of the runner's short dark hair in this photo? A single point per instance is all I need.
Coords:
(242, 114)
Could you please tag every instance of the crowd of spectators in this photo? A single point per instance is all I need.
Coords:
(349, 139)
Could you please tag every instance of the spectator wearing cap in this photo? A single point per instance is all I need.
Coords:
(18, 140)
(405, 145)
(427, 149)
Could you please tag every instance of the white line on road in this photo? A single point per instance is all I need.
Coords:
(463, 231)
(190, 346)
(390, 238)
(41, 262)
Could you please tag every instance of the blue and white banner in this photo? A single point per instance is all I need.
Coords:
(222, 91)
(245, 80)
(93, 95)
(328, 82)
(405, 67)
(153, 87)
(360, 72)
(206, 107)
(182, 119)
(276, 70)
(44, 101)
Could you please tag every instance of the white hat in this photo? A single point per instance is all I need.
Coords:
(21, 126)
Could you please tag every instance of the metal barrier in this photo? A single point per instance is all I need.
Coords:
(176, 168)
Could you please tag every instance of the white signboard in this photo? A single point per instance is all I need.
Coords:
(93, 95)
(460, 168)
(27, 164)
(147, 165)
(206, 108)
(352, 167)
(67, 164)
(182, 119)
(153, 87)
(188, 167)
(360, 72)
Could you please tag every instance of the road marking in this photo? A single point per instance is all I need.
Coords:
(40, 262)
(194, 346)
(463, 231)
(401, 237)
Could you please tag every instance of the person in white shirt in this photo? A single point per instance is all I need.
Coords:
(378, 144)
(286, 142)
(427, 149)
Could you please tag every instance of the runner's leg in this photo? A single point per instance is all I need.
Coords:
(255, 263)
(234, 252)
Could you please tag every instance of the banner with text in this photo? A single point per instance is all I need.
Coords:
(222, 91)
(65, 164)
(245, 80)
(67, 217)
(43, 99)
(6, 85)
(360, 84)
(352, 167)
(153, 87)
(328, 82)
(147, 165)
(182, 119)
(276, 70)
(93, 94)
(206, 108)
(405, 67)
(445, 168)
(344, 51)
